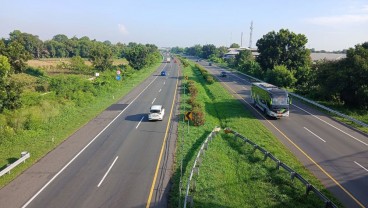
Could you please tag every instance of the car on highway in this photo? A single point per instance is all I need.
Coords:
(156, 113)
(163, 73)
(210, 64)
(223, 74)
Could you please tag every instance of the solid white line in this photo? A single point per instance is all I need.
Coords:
(164, 82)
(361, 166)
(153, 100)
(80, 152)
(159, 90)
(103, 178)
(139, 122)
(314, 134)
(333, 126)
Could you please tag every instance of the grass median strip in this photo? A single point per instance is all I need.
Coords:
(233, 174)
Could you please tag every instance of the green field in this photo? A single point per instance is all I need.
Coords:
(232, 174)
(62, 119)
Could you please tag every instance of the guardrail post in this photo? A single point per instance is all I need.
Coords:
(308, 188)
(196, 170)
(278, 163)
(292, 176)
(199, 161)
(328, 204)
(193, 185)
(202, 152)
(206, 146)
(190, 201)
(265, 156)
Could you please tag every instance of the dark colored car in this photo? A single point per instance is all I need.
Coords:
(163, 73)
(223, 74)
(210, 64)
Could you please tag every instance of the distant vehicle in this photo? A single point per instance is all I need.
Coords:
(168, 60)
(210, 64)
(156, 113)
(223, 74)
(272, 100)
(163, 73)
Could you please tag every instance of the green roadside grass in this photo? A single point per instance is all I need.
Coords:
(233, 174)
(70, 118)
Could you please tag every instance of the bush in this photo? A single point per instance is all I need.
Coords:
(191, 100)
(198, 116)
(210, 79)
(37, 72)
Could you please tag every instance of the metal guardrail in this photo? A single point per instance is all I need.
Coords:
(195, 168)
(24, 156)
(293, 174)
(330, 110)
(317, 104)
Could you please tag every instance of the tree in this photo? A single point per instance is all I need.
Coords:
(17, 56)
(31, 43)
(355, 86)
(101, 57)
(208, 50)
(283, 48)
(234, 45)
(4, 68)
(195, 50)
(242, 57)
(77, 64)
(9, 91)
(60, 38)
(280, 76)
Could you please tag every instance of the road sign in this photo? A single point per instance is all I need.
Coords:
(118, 72)
(189, 115)
(118, 77)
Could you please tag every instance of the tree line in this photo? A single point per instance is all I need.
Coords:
(20, 47)
(285, 61)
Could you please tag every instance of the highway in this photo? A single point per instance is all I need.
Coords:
(335, 153)
(118, 165)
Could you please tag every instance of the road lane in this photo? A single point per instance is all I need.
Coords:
(129, 180)
(332, 162)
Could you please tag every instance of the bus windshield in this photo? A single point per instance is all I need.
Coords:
(280, 100)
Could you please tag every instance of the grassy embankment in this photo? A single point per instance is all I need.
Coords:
(232, 174)
(57, 118)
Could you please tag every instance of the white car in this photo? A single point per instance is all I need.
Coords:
(156, 113)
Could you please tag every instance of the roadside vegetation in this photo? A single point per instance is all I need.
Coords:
(44, 101)
(231, 173)
(285, 61)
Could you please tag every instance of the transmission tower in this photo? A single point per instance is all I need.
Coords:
(251, 32)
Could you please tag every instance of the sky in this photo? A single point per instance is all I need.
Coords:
(328, 24)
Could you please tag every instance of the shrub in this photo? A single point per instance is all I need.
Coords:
(193, 90)
(37, 72)
(191, 100)
(198, 116)
(210, 79)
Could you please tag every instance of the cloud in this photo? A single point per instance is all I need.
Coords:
(338, 20)
(122, 29)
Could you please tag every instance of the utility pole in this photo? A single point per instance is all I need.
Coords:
(241, 39)
(251, 32)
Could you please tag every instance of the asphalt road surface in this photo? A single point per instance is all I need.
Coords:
(118, 162)
(334, 152)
